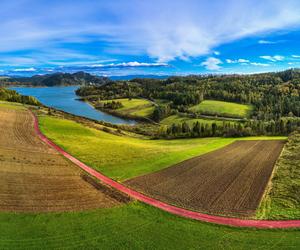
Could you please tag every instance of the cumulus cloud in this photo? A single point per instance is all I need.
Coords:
(273, 58)
(161, 29)
(212, 63)
(296, 56)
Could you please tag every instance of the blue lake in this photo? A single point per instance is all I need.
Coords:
(64, 98)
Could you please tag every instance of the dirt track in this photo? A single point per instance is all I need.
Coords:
(34, 177)
(229, 181)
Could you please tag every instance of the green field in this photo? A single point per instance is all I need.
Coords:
(12, 105)
(132, 226)
(220, 108)
(177, 119)
(283, 199)
(123, 157)
(134, 107)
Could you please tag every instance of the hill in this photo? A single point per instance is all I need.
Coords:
(60, 79)
(12, 96)
(220, 108)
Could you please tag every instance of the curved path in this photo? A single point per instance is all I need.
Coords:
(164, 206)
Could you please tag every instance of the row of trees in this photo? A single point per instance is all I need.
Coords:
(230, 129)
(109, 105)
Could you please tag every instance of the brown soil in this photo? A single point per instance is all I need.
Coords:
(35, 178)
(228, 181)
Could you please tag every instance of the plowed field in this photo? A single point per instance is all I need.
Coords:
(34, 177)
(228, 181)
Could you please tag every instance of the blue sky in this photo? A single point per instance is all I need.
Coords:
(124, 37)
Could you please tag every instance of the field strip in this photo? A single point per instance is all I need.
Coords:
(36, 178)
(228, 181)
(164, 206)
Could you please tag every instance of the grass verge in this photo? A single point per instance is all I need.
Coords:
(282, 201)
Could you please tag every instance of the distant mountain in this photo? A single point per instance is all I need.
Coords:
(61, 79)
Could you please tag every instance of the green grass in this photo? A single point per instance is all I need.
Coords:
(124, 157)
(226, 109)
(133, 226)
(12, 105)
(134, 107)
(283, 199)
(144, 112)
(177, 119)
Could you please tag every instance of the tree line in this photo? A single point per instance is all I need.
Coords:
(231, 129)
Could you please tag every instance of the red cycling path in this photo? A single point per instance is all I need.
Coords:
(164, 206)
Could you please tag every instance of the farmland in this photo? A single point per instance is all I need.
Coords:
(228, 181)
(127, 226)
(34, 177)
(123, 157)
(221, 108)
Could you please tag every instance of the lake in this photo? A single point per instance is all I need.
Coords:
(64, 98)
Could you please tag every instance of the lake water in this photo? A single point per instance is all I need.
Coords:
(64, 98)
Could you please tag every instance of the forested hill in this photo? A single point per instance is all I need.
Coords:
(57, 79)
(12, 96)
(273, 95)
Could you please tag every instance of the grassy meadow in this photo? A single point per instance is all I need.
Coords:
(134, 107)
(220, 108)
(123, 157)
(132, 226)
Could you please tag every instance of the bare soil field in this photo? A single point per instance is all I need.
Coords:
(229, 181)
(35, 178)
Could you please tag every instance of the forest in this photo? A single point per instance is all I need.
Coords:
(275, 98)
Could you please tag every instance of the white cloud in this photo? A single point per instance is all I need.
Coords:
(273, 58)
(217, 53)
(266, 42)
(260, 64)
(212, 63)
(131, 64)
(25, 70)
(296, 56)
(158, 28)
(241, 60)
